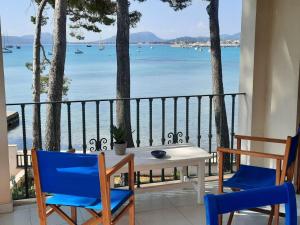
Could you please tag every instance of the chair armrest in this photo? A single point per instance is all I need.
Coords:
(126, 160)
(251, 153)
(261, 139)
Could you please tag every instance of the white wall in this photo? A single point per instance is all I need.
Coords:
(5, 195)
(270, 56)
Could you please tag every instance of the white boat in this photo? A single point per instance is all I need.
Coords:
(101, 48)
(6, 50)
(78, 51)
(101, 45)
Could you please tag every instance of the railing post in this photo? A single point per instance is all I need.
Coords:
(83, 128)
(163, 119)
(175, 137)
(187, 137)
(138, 141)
(150, 122)
(111, 108)
(150, 132)
(69, 125)
(232, 130)
(163, 128)
(98, 145)
(210, 133)
(39, 125)
(199, 122)
(25, 151)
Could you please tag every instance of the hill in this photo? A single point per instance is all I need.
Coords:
(144, 37)
(26, 39)
(138, 37)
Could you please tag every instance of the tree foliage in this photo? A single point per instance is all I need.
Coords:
(178, 4)
(87, 15)
(44, 78)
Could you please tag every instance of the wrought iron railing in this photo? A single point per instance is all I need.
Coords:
(101, 142)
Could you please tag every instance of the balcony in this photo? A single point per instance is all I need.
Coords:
(86, 127)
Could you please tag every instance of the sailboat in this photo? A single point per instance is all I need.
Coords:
(6, 48)
(78, 51)
(101, 45)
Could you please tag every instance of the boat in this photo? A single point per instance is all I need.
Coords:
(139, 45)
(9, 46)
(101, 45)
(6, 50)
(18, 46)
(101, 48)
(78, 51)
(88, 46)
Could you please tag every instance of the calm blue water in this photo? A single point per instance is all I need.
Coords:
(158, 71)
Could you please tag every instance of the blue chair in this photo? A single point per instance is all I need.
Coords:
(81, 180)
(216, 205)
(250, 177)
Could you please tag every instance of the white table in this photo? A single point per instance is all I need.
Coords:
(180, 155)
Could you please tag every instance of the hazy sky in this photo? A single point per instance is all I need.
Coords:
(157, 17)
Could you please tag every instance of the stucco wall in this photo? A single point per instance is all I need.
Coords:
(270, 56)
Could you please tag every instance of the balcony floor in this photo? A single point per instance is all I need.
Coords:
(174, 207)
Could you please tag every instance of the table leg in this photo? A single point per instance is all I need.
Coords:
(112, 182)
(183, 174)
(201, 182)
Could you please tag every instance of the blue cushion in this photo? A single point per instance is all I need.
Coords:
(249, 177)
(117, 196)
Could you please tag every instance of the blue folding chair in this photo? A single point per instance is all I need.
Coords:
(81, 180)
(216, 205)
(250, 177)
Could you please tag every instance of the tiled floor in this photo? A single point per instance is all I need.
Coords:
(174, 207)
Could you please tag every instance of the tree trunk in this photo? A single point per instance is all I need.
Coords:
(36, 69)
(123, 70)
(217, 79)
(56, 76)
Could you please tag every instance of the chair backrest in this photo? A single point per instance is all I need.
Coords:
(68, 173)
(292, 155)
(230, 202)
(293, 148)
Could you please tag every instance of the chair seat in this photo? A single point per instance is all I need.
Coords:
(117, 196)
(249, 177)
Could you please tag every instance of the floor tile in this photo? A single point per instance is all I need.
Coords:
(20, 217)
(162, 217)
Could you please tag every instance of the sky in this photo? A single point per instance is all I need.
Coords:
(157, 17)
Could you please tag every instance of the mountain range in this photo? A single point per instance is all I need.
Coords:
(150, 37)
(46, 38)
(143, 37)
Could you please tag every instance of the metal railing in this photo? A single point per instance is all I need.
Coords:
(157, 133)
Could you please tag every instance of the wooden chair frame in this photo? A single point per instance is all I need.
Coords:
(282, 172)
(105, 216)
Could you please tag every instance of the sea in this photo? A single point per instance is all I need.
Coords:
(156, 70)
